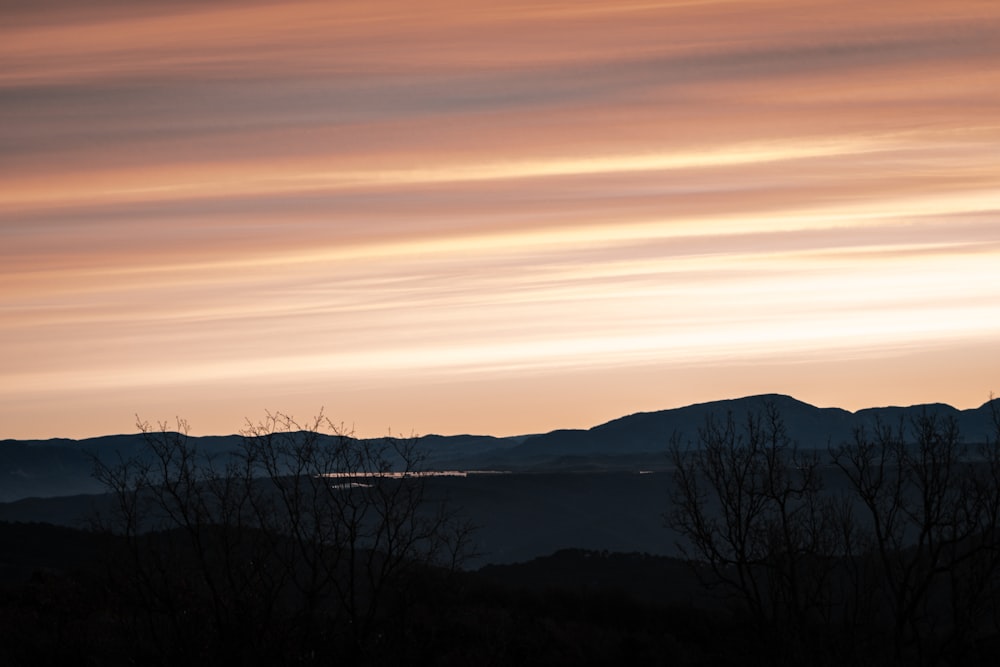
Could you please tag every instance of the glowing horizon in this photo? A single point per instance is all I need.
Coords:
(497, 218)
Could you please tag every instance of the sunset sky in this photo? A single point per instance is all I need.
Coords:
(492, 217)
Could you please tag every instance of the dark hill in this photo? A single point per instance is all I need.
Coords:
(644, 435)
(60, 467)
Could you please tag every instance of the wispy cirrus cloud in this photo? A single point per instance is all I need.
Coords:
(207, 208)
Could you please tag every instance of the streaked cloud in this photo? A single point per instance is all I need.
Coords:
(494, 217)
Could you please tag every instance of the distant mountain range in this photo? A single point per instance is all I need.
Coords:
(62, 467)
(809, 426)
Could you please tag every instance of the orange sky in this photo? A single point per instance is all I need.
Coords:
(492, 217)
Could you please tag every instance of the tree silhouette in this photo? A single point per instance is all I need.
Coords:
(902, 563)
(303, 536)
(749, 506)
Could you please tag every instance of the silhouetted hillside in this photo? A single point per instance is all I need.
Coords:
(809, 426)
(42, 468)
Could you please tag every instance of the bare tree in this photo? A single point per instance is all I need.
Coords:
(304, 535)
(902, 564)
(926, 542)
(747, 503)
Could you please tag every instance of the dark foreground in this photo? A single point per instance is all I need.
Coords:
(66, 597)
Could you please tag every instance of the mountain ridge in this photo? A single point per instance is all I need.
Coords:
(62, 466)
